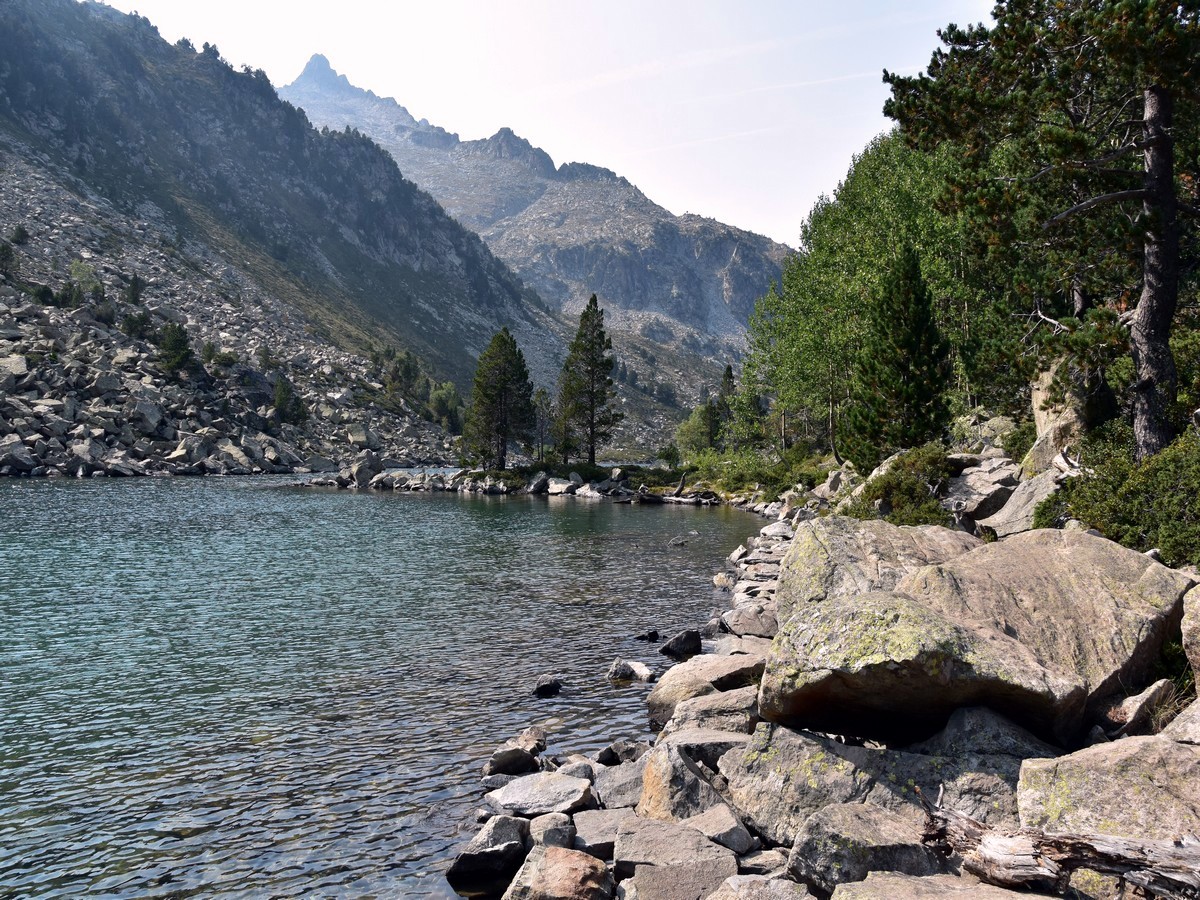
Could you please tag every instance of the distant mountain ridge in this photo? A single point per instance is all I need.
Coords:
(571, 230)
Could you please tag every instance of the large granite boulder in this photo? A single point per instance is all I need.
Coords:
(1191, 629)
(620, 785)
(1185, 728)
(493, 855)
(841, 557)
(676, 781)
(556, 873)
(700, 675)
(783, 776)
(845, 841)
(759, 887)
(982, 490)
(1136, 787)
(545, 792)
(669, 861)
(1016, 515)
(596, 830)
(1083, 604)
(735, 710)
(884, 666)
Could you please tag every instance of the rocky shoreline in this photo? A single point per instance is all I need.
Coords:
(860, 671)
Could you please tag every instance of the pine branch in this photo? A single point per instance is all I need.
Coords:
(1115, 197)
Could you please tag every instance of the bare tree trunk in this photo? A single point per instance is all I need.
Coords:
(1150, 331)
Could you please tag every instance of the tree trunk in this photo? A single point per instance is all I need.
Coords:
(1154, 365)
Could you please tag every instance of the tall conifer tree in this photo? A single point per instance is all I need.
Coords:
(900, 376)
(501, 407)
(585, 388)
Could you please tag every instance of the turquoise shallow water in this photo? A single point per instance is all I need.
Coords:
(238, 688)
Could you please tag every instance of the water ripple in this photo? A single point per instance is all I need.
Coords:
(233, 687)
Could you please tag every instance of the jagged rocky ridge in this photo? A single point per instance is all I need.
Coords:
(80, 397)
(321, 220)
(570, 230)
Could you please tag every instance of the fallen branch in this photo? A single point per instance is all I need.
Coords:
(1029, 858)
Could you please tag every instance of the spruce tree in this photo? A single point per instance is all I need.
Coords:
(585, 388)
(501, 407)
(899, 378)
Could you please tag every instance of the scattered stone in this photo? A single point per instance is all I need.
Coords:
(684, 645)
(720, 823)
(650, 636)
(541, 793)
(621, 751)
(701, 675)
(759, 887)
(510, 759)
(627, 670)
(552, 830)
(621, 785)
(596, 830)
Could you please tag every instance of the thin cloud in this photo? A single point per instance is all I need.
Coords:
(699, 142)
(785, 86)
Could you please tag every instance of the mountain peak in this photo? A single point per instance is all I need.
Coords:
(506, 144)
(318, 74)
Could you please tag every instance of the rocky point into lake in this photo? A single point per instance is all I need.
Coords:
(889, 712)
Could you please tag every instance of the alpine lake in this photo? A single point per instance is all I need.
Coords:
(244, 688)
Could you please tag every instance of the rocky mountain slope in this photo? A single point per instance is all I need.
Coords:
(570, 230)
(323, 220)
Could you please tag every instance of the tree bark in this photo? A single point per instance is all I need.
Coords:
(1029, 858)
(1154, 365)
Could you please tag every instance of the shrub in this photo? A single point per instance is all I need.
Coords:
(1020, 440)
(19, 235)
(138, 326)
(8, 259)
(104, 312)
(174, 349)
(907, 494)
(289, 407)
(1151, 504)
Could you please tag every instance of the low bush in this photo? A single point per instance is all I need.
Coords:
(907, 494)
(1151, 504)
(746, 470)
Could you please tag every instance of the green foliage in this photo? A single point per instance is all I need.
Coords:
(105, 313)
(501, 409)
(699, 430)
(135, 289)
(543, 412)
(897, 399)
(1020, 440)
(208, 352)
(8, 259)
(138, 326)
(290, 408)
(70, 296)
(267, 360)
(907, 494)
(670, 455)
(84, 275)
(446, 406)
(585, 388)
(751, 470)
(1154, 503)
(174, 348)
(19, 235)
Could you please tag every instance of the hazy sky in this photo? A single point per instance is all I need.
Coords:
(743, 111)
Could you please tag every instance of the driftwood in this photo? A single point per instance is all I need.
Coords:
(1030, 858)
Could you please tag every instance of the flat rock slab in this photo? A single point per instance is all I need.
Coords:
(645, 842)
(841, 557)
(544, 792)
(1191, 629)
(891, 886)
(702, 675)
(846, 841)
(885, 666)
(1136, 787)
(783, 776)
(759, 887)
(556, 873)
(753, 619)
(620, 785)
(596, 830)
(721, 824)
(735, 710)
(1186, 726)
(1016, 515)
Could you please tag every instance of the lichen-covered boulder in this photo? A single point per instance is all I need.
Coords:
(1137, 787)
(700, 675)
(841, 557)
(1191, 629)
(783, 776)
(1095, 610)
(846, 841)
(885, 666)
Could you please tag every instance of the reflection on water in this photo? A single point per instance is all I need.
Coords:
(234, 687)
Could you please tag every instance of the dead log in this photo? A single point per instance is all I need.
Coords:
(1032, 859)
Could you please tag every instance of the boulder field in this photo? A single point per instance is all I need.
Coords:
(865, 678)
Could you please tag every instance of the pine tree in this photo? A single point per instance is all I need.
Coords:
(899, 379)
(585, 391)
(501, 407)
(543, 408)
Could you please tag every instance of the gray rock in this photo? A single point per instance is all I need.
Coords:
(845, 841)
(625, 670)
(755, 619)
(673, 786)
(1133, 715)
(509, 759)
(596, 830)
(759, 887)
(764, 862)
(552, 830)
(493, 855)
(541, 793)
(701, 675)
(685, 644)
(1191, 629)
(735, 710)
(982, 491)
(1137, 787)
(620, 785)
(557, 873)
(674, 851)
(620, 751)
(894, 886)
(721, 824)
(839, 557)
(1016, 516)
(1185, 727)
(547, 686)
